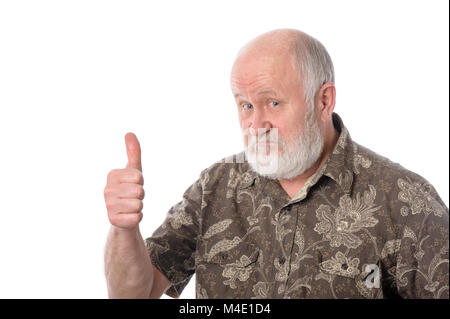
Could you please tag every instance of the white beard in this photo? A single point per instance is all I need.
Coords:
(295, 158)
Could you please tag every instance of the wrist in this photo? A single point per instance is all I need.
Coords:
(127, 232)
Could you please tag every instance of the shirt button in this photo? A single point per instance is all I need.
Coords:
(282, 260)
(344, 266)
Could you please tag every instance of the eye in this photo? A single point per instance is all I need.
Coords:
(274, 103)
(247, 106)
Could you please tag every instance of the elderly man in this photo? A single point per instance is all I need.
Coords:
(303, 212)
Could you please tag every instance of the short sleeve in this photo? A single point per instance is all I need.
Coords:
(172, 246)
(422, 269)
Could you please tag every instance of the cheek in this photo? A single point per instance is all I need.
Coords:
(291, 132)
(244, 122)
(241, 119)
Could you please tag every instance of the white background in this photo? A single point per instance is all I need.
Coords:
(75, 76)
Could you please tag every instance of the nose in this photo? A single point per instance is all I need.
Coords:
(259, 124)
(256, 126)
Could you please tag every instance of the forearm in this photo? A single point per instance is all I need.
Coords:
(128, 268)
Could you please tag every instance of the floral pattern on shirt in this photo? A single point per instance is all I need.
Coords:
(361, 227)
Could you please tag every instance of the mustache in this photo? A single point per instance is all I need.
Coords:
(261, 135)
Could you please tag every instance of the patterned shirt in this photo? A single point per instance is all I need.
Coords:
(361, 227)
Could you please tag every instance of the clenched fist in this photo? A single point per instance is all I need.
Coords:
(124, 190)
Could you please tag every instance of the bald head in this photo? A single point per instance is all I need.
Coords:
(301, 54)
(276, 42)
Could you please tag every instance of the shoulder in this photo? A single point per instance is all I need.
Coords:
(395, 183)
(380, 167)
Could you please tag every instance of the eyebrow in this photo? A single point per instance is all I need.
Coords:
(268, 91)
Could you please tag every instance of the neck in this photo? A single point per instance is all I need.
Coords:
(293, 185)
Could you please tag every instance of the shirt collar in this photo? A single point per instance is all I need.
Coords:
(339, 165)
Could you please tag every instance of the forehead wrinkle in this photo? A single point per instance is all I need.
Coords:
(261, 93)
(267, 92)
(256, 86)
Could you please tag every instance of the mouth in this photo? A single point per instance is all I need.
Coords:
(262, 143)
(266, 147)
(265, 143)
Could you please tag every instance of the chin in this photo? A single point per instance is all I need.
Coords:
(263, 164)
(284, 165)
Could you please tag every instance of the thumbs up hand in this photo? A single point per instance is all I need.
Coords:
(124, 190)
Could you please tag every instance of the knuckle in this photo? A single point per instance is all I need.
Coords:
(135, 218)
(140, 193)
(138, 205)
(112, 174)
(131, 175)
(137, 176)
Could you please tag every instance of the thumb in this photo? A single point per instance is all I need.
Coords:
(133, 151)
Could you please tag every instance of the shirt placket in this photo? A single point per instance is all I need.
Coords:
(288, 243)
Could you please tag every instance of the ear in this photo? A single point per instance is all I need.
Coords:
(325, 101)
